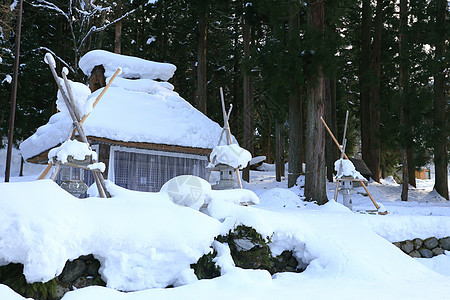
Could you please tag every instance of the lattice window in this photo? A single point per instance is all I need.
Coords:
(147, 170)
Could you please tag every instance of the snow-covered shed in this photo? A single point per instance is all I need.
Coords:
(141, 128)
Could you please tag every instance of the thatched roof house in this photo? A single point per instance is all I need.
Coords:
(143, 131)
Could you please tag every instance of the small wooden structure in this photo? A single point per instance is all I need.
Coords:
(69, 102)
(158, 143)
(423, 174)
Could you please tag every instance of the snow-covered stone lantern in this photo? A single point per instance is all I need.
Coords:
(346, 174)
(228, 160)
(72, 181)
(346, 190)
(73, 157)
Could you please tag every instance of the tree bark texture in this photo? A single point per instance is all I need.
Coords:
(295, 137)
(375, 95)
(365, 78)
(331, 119)
(370, 73)
(118, 37)
(279, 157)
(440, 106)
(248, 99)
(201, 67)
(315, 188)
(295, 117)
(405, 115)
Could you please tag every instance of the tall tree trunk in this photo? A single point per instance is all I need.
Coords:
(118, 37)
(295, 137)
(315, 188)
(201, 68)
(248, 98)
(404, 82)
(295, 117)
(375, 95)
(365, 80)
(331, 119)
(439, 120)
(279, 159)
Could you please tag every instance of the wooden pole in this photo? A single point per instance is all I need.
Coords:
(119, 70)
(101, 186)
(228, 133)
(12, 114)
(345, 155)
(46, 170)
(74, 130)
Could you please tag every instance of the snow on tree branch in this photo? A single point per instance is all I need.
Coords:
(51, 6)
(97, 29)
(57, 57)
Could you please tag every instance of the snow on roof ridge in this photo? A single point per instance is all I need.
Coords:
(132, 67)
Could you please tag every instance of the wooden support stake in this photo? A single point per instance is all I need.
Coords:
(46, 170)
(228, 133)
(345, 155)
(101, 186)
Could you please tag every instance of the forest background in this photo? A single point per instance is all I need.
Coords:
(283, 64)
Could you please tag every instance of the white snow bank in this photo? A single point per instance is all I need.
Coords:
(257, 284)
(78, 150)
(236, 196)
(280, 198)
(343, 248)
(132, 67)
(231, 155)
(7, 293)
(346, 169)
(142, 240)
(440, 263)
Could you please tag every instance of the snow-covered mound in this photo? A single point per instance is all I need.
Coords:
(132, 67)
(278, 197)
(143, 240)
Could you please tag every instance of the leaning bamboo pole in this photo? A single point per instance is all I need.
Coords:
(228, 133)
(346, 157)
(50, 164)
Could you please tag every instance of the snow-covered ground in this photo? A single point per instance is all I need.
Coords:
(145, 242)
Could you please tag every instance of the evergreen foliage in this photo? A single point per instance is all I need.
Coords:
(279, 63)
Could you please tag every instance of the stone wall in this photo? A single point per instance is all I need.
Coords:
(426, 248)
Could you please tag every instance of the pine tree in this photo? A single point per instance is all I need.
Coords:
(440, 118)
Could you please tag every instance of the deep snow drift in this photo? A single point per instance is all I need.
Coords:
(145, 241)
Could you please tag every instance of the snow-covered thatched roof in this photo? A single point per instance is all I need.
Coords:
(138, 110)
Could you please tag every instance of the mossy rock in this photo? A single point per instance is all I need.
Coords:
(206, 268)
(249, 249)
(12, 276)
